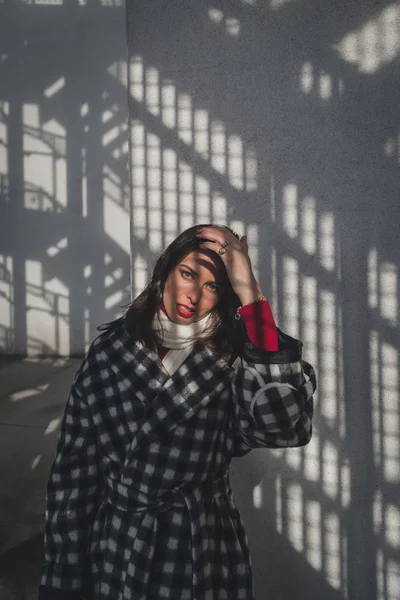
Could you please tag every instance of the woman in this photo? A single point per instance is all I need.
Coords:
(139, 504)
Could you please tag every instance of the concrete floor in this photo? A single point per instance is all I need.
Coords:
(33, 394)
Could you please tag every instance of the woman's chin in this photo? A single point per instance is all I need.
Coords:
(183, 320)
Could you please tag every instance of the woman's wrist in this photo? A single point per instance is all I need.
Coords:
(252, 294)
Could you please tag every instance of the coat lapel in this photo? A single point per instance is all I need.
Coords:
(168, 400)
(199, 379)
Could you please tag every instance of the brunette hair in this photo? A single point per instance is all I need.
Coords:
(226, 334)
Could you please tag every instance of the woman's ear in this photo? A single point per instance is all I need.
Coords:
(244, 241)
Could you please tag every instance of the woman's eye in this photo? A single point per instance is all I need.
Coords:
(186, 274)
(213, 288)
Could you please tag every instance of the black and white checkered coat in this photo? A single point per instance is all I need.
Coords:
(139, 504)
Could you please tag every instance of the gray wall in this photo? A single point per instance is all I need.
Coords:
(64, 193)
(278, 118)
(281, 118)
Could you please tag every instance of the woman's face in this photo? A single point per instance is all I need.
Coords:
(194, 287)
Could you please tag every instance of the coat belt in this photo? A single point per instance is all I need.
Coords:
(195, 497)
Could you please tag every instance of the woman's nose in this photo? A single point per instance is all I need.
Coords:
(194, 295)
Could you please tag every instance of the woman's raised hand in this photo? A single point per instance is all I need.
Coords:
(235, 256)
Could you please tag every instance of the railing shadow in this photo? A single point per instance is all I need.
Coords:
(64, 170)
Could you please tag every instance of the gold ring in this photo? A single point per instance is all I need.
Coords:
(221, 251)
(224, 245)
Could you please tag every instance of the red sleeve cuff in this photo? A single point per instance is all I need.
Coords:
(260, 325)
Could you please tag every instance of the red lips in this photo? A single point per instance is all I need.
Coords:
(184, 311)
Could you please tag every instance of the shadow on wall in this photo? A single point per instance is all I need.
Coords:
(64, 182)
(281, 119)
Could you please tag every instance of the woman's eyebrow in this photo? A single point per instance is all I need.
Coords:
(196, 274)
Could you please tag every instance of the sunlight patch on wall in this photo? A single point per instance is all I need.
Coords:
(44, 2)
(226, 152)
(6, 303)
(152, 87)
(330, 469)
(154, 195)
(136, 78)
(332, 535)
(392, 526)
(4, 112)
(170, 187)
(252, 231)
(301, 222)
(140, 274)
(186, 209)
(168, 195)
(54, 88)
(219, 208)
(84, 183)
(114, 300)
(45, 169)
(47, 312)
(328, 392)
(290, 210)
(119, 70)
(230, 24)
(201, 133)
(218, 147)
(385, 389)
(313, 534)
(57, 247)
(308, 225)
(115, 296)
(327, 241)
(116, 223)
(277, 4)
(86, 328)
(375, 43)
(373, 289)
(309, 309)
(388, 577)
(383, 288)
(318, 81)
(389, 293)
(392, 148)
(116, 189)
(251, 170)
(386, 412)
(290, 289)
(112, 3)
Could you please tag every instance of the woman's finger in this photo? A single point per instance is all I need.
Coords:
(220, 239)
(214, 246)
(216, 234)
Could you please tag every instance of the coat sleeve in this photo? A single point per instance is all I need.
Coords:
(73, 493)
(273, 397)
